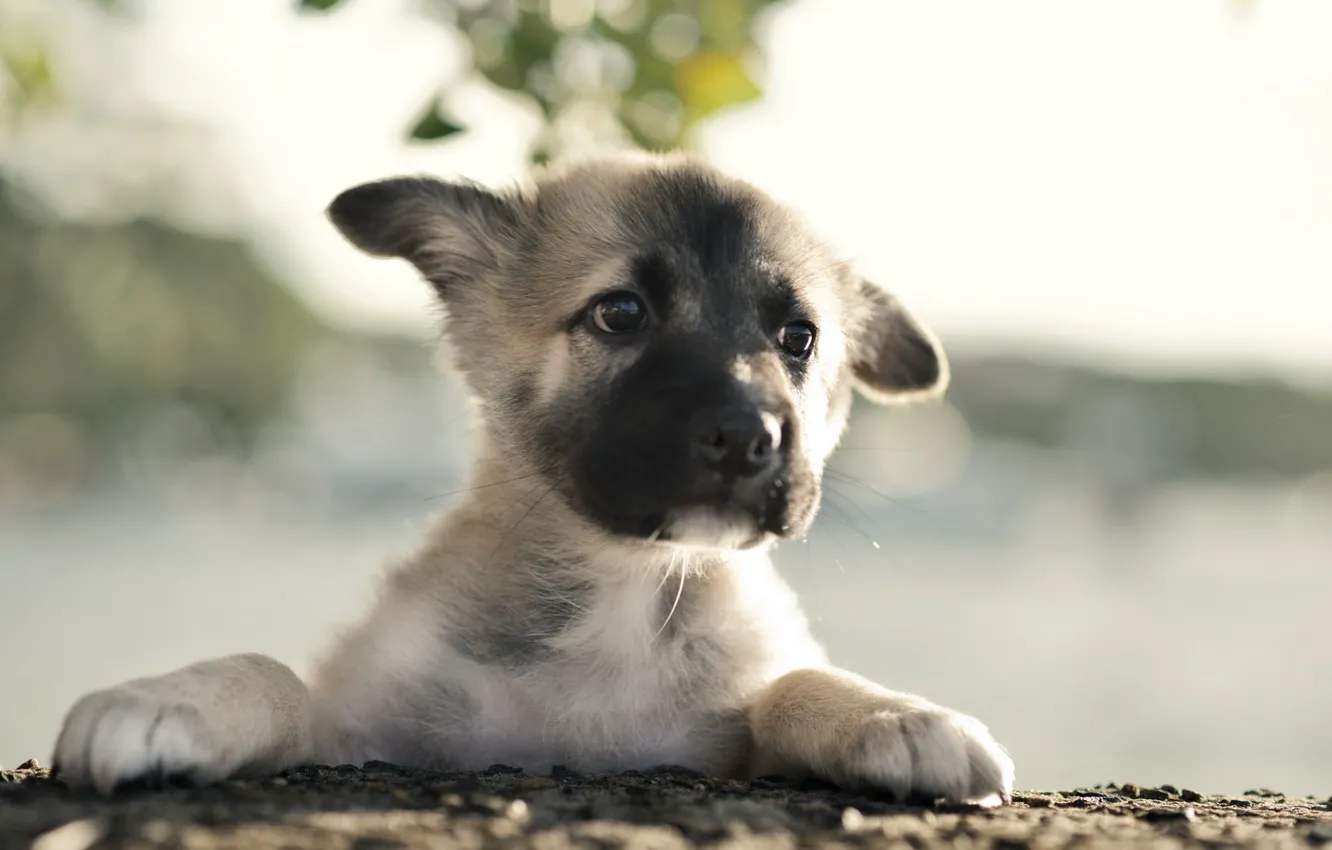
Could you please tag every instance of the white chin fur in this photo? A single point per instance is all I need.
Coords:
(708, 528)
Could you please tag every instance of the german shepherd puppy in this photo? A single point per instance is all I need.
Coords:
(661, 359)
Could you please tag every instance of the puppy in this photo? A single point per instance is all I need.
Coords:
(662, 359)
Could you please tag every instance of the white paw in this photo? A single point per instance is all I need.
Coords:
(931, 752)
(129, 733)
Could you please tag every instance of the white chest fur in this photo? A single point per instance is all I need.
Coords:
(653, 670)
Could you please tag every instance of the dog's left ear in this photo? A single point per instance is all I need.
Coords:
(454, 233)
(894, 358)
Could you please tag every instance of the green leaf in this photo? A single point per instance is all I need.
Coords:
(433, 126)
(30, 72)
(711, 80)
(317, 5)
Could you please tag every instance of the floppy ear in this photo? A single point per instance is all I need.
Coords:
(451, 232)
(894, 358)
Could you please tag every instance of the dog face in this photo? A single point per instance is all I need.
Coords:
(671, 349)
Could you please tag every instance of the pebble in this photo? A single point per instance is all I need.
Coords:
(75, 835)
(852, 819)
(536, 783)
(482, 811)
(1187, 815)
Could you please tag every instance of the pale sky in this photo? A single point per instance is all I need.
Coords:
(1134, 181)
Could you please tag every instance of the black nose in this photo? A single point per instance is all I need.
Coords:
(737, 442)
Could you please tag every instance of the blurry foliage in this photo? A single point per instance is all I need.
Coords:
(26, 78)
(103, 328)
(102, 325)
(100, 322)
(432, 125)
(655, 67)
(27, 69)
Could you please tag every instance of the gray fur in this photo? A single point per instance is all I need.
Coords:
(515, 629)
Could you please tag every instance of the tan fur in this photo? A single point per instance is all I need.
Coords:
(521, 631)
(863, 735)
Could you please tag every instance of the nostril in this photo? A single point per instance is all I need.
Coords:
(711, 444)
(760, 449)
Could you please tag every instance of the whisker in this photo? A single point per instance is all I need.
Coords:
(665, 576)
(492, 484)
(505, 535)
(839, 513)
(832, 487)
(679, 592)
(845, 477)
(518, 501)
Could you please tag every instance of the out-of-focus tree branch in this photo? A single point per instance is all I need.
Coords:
(646, 71)
(643, 72)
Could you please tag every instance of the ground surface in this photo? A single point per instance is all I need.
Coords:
(382, 806)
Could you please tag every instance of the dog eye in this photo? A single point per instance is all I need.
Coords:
(620, 312)
(797, 339)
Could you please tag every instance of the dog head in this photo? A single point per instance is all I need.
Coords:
(670, 348)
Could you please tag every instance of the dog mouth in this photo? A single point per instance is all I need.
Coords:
(710, 524)
(683, 508)
(709, 528)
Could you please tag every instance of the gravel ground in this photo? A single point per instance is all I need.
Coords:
(382, 806)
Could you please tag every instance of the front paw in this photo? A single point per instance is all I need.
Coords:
(129, 733)
(929, 751)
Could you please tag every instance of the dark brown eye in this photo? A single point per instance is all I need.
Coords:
(797, 340)
(619, 313)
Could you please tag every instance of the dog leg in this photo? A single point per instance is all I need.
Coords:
(242, 715)
(847, 730)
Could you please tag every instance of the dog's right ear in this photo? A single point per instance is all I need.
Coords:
(895, 358)
(451, 232)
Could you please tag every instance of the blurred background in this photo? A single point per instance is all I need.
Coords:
(1113, 542)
